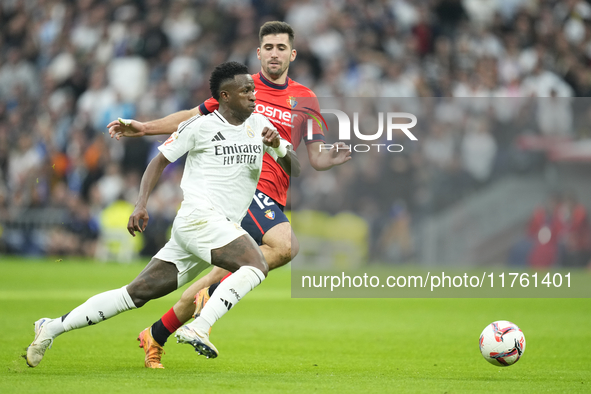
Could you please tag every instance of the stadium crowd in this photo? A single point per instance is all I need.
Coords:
(67, 68)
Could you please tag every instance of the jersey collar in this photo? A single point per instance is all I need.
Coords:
(224, 121)
(220, 117)
(273, 85)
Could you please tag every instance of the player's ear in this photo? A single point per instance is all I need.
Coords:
(224, 95)
(259, 53)
(294, 53)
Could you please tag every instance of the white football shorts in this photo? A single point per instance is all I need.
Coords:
(192, 239)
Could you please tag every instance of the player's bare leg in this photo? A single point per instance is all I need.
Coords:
(279, 247)
(156, 280)
(185, 306)
(142, 288)
(277, 253)
(242, 257)
(153, 338)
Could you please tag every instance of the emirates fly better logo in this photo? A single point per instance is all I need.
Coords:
(391, 119)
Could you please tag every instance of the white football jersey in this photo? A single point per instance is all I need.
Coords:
(223, 164)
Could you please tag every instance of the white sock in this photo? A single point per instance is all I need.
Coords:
(227, 294)
(55, 327)
(96, 309)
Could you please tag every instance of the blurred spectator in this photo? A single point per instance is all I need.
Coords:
(396, 84)
(63, 65)
(4, 159)
(575, 239)
(450, 14)
(23, 161)
(17, 72)
(95, 101)
(544, 83)
(88, 26)
(544, 232)
(538, 248)
(184, 71)
(159, 101)
(118, 109)
(305, 15)
(151, 37)
(180, 25)
(128, 75)
(478, 150)
(111, 184)
(555, 116)
(395, 243)
(439, 147)
(559, 234)
(79, 234)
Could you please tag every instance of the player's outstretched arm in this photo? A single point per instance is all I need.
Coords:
(167, 125)
(325, 159)
(149, 180)
(286, 157)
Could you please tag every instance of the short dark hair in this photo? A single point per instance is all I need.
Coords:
(276, 27)
(222, 73)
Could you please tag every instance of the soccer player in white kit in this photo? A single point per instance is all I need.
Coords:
(224, 161)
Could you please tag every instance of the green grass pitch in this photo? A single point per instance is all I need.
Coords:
(272, 343)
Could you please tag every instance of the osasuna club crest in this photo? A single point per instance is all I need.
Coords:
(270, 214)
(291, 101)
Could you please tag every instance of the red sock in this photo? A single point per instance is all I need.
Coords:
(170, 321)
(225, 277)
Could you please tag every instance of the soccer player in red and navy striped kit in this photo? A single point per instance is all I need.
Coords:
(276, 97)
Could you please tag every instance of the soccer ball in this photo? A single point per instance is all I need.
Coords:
(502, 343)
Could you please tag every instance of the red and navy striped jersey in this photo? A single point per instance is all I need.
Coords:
(278, 103)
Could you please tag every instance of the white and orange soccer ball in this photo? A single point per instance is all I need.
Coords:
(502, 343)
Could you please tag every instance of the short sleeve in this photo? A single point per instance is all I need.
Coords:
(260, 122)
(181, 141)
(208, 106)
(308, 112)
(265, 122)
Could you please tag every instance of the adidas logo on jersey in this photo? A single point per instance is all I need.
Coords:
(218, 137)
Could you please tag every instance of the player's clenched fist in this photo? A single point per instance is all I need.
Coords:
(126, 128)
(134, 221)
(270, 137)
